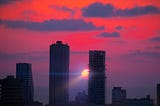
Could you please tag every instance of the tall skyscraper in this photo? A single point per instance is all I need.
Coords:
(158, 94)
(24, 73)
(11, 92)
(96, 84)
(118, 96)
(59, 74)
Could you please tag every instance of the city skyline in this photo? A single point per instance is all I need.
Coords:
(128, 31)
(96, 81)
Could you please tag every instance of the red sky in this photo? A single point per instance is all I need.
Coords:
(128, 30)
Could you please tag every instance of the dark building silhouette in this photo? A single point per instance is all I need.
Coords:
(24, 73)
(118, 96)
(139, 102)
(11, 92)
(59, 74)
(37, 103)
(96, 84)
(158, 94)
(81, 98)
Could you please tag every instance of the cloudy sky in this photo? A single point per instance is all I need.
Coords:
(128, 30)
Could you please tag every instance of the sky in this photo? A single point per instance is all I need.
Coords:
(128, 30)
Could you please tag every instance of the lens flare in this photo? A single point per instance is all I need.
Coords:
(85, 74)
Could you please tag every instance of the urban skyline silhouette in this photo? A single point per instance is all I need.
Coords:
(59, 84)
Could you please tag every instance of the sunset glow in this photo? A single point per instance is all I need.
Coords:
(85, 73)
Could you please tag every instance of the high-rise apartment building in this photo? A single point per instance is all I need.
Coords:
(59, 74)
(24, 73)
(118, 96)
(96, 84)
(11, 92)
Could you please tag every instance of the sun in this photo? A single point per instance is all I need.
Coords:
(85, 73)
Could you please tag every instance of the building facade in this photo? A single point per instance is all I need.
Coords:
(11, 92)
(96, 83)
(118, 96)
(59, 74)
(24, 73)
(158, 94)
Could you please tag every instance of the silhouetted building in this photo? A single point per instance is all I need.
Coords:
(81, 98)
(59, 74)
(37, 103)
(96, 84)
(24, 73)
(11, 91)
(118, 96)
(158, 94)
(139, 102)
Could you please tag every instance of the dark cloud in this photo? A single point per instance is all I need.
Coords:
(118, 27)
(142, 56)
(2, 2)
(109, 35)
(108, 10)
(28, 12)
(52, 25)
(158, 31)
(144, 53)
(6, 56)
(156, 47)
(98, 10)
(155, 39)
(63, 8)
(79, 52)
(37, 56)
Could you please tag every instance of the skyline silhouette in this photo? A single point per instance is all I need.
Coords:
(59, 83)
